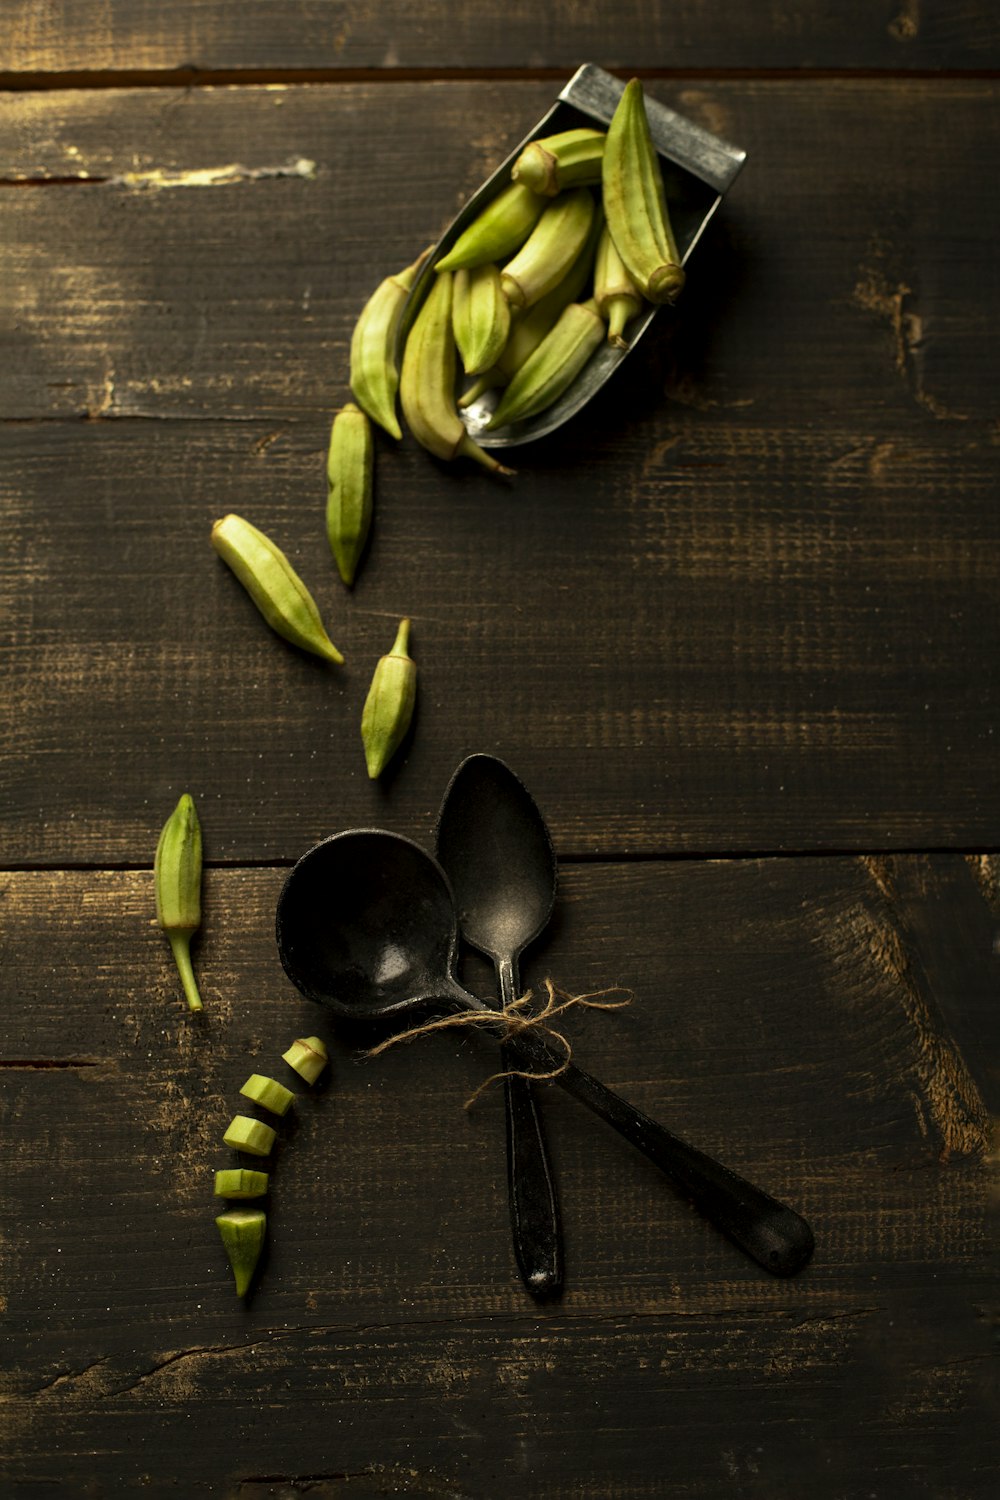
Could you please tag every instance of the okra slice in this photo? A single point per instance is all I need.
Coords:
(240, 1182)
(251, 1136)
(242, 1231)
(308, 1057)
(268, 1093)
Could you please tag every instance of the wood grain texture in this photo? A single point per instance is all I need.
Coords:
(327, 34)
(751, 605)
(777, 1020)
(207, 253)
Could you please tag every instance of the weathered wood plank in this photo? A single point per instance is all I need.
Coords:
(776, 1020)
(276, 34)
(750, 640)
(797, 482)
(207, 253)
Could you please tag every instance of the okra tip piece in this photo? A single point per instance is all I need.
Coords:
(242, 1231)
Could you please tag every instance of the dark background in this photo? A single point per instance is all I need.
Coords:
(737, 629)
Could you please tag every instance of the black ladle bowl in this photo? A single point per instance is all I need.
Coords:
(366, 925)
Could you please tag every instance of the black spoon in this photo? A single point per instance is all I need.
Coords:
(366, 925)
(495, 849)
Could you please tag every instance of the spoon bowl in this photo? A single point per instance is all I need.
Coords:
(496, 850)
(366, 925)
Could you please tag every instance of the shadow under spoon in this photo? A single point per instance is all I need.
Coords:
(495, 849)
(366, 925)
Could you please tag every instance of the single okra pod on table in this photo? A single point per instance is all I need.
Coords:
(273, 585)
(389, 706)
(349, 468)
(177, 882)
(243, 1231)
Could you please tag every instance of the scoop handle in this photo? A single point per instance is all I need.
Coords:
(771, 1233)
(534, 1209)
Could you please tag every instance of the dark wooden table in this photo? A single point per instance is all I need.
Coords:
(738, 631)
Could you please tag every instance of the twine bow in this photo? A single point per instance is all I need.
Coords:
(515, 1019)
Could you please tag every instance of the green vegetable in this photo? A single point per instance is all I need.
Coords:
(177, 879)
(389, 706)
(240, 1182)
(251, 1136)
(242, 1231)
(273, 585)
(349, 471)
(268, 1093)
(308, 1057)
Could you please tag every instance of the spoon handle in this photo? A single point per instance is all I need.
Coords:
(534, 1209)
(772, 1234)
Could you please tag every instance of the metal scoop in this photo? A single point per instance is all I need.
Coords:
(698, 170)
(495, 849)
(366, 925)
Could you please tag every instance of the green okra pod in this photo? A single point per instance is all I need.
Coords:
(498, 230)
(273, 585)
(349, 469)
(615, 292)
(177, 881)
(553, 366)
(570, 159)
(374, 372)
(389, 706)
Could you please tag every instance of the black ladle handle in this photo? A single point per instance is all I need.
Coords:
(534, 1209)
(772, 1234)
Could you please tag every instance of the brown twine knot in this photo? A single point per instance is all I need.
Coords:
(516, 1018)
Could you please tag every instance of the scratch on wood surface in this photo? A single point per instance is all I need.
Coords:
(906, 26)
(32, 1063)
(952, 1098)
(158, 179)
(880, 290)
(403, 1481)
(707, 110)
(72, 1377)
(986, 873)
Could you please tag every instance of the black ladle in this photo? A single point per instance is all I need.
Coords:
(366, 925)
(495, 849)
